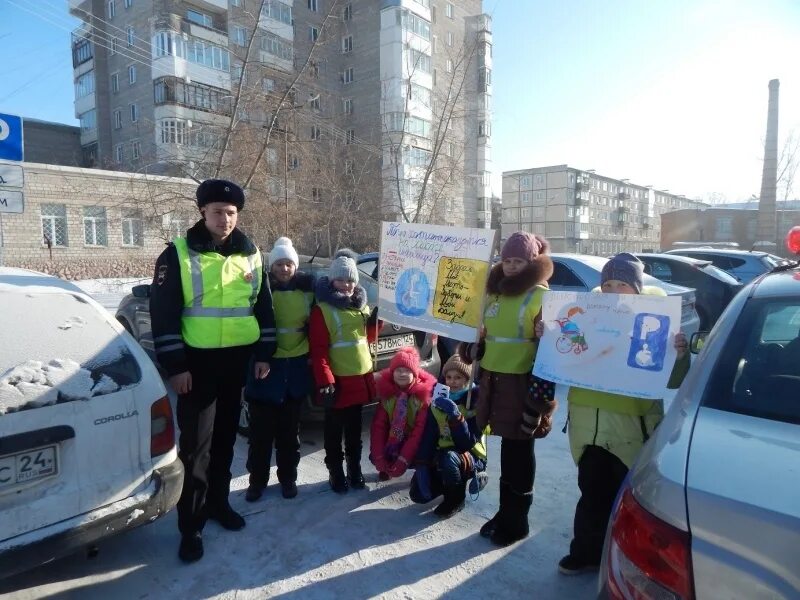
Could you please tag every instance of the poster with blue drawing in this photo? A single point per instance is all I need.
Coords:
(616, 343)
(433, 278)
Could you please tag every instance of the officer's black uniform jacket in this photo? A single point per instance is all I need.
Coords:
(166, 298)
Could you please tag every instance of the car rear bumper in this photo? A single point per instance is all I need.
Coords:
(60, 539)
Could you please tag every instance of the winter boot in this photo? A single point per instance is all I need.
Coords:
(226, 516)
(453, 502)
(337, 479)
(354, 475)
(191, 548)
(574, 565)
(288, 489)
(513, 526)
(254, 492)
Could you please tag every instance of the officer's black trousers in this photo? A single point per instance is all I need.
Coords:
(208, 417)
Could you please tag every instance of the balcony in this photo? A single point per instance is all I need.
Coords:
(623, 206)
(645, 222)
(581, 219)
(581, 198)
(485, 23)
(581, 235)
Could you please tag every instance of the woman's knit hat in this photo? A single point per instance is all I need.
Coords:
(524, 245)
(343, 266)
(407, 357)
(283, 249)
(454, 363)
(624, 267)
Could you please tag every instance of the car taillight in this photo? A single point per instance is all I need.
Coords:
(647, 558)
(162, 428)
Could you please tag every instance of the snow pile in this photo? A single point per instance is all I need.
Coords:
(33, 384)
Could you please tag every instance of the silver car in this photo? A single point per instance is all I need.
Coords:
(581, 273)
(742, 264)
(712, 507)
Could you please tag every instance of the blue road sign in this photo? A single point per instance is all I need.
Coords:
(10, 137)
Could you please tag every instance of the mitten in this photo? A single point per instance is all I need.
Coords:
(447, 406)
(423, 479)
(398, 467)
(380, 463)
(327, 396)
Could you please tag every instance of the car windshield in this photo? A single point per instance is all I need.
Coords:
(63, 349)
(720, 274)
(761, 375)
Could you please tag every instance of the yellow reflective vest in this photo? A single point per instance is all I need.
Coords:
(219, 293)
(347, 330)
(510, 341)
(292, 309)
(446, 437)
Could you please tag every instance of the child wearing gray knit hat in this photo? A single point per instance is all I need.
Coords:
(626, 268)
(344, 266)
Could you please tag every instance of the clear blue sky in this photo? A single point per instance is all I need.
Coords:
(671, 93)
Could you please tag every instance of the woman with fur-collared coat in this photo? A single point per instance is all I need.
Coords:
(507, 351)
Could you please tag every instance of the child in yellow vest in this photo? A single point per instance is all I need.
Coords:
(507, 350)
(453, 448)
(275, 401)
(341, 328)
(404, 392)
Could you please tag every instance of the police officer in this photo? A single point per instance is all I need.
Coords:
(211, 309)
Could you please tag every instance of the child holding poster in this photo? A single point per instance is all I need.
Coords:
(404, 393)
(453, 448)
(341, 328)
(606, 431)
(506, 351)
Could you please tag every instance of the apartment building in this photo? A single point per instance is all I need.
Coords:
(585, 212)
(392, 87)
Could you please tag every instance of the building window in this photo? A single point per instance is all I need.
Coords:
(347, 106)
(347, 75)
(449, 38)
(239, 36)
(118, 119)
(347, 12)
(129, 34)
(54, 224)
(316, 132)
(315, 104)
(114, 46)
(267, 84)
(95, 226)
(316, 194)
(313, 34)
(115, 82)
(347, 44)
(84, 85)
(173, 131)
(136, 150)
(119, 153)
(128, 3)
(448, 65)
(195, 16)
(420, 61)
(484, 79)
(313, 5)
(415, 24)
(525, 182)
(195, 50)
(236, 2)
(276, 46)
(350, 136)
(134, 113)
(417, 157)
(88, 121)
(448, 10)
(420, 94)
(484, 129)
(277, 10)
(131, 74)
(132, 228)
(724, 226)
(81, 52)
(111, 9)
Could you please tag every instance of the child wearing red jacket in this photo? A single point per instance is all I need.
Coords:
(340, 330)
(405, 394)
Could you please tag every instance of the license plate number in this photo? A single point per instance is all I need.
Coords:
(395, 342)
(23, 467)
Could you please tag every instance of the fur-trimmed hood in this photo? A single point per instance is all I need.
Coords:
(536, 273)
(325, 292)
(422, 388)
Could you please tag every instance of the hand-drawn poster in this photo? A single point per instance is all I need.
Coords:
(433, 278)
(617, 343)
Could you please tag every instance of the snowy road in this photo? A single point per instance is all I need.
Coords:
(365, 544)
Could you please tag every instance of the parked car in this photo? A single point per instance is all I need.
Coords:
(714, 288)
(743, 265)
(134, 314)
(711, 509)
(87, 440)
(581, 273)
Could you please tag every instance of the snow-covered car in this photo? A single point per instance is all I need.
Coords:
(87, 438)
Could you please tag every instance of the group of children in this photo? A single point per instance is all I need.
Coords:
(325, 329)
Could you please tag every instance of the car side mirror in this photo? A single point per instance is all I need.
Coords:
(141, 291)
(697, 341)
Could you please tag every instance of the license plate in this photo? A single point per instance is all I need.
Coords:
(23, 467)
(395, 342)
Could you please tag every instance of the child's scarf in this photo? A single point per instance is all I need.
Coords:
(397, 429)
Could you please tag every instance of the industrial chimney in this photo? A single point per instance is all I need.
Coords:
(767, 210)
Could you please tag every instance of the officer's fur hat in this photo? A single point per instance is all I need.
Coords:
(219, 190)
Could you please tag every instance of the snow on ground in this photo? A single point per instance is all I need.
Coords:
(319, 545)
(365, 544)
(109, 292)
